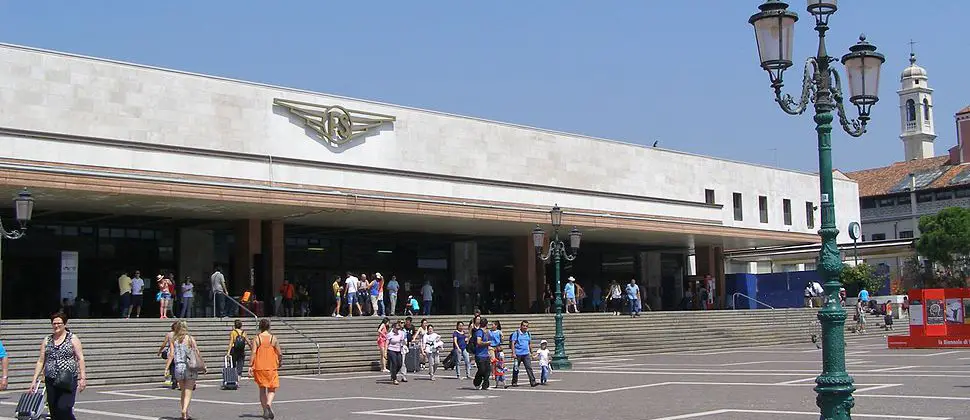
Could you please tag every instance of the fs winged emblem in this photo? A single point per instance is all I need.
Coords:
(334, 123)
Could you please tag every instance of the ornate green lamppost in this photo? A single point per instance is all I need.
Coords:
(557, 252)
(774, 30)
(23, 210)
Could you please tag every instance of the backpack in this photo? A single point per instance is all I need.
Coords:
(471, 346)
(239, 344)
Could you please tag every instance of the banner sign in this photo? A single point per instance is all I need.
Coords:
(69, 260)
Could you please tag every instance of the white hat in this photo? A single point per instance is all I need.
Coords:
(378, 275)
(571, 278)
(543, 342)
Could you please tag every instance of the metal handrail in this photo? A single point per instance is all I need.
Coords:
(312, 341)
(240, 305)
(734, 300)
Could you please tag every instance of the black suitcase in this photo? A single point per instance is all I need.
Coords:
(230, 377)
(31, 405)
(449, 362)
(412, 360)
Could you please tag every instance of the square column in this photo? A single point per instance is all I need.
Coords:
(248, 244)
(650, 279)
(464, 257)
(269, 277)
(710, 261)
(527, 281)
(196, 255)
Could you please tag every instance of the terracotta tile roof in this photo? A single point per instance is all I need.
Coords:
(881, 181)
(964, 110)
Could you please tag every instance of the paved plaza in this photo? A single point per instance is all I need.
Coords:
(772, 382)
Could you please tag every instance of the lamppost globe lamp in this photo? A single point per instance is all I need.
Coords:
(557, 252)
(574, 237)
(822, 87)
(862, 67)
(538, 238)
(822, 9)
(774, 28)
(556, 215)
(24, 207)
(23, 211)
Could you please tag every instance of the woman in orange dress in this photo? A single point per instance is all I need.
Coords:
(266, 360)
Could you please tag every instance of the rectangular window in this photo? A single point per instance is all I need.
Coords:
(887, 202)
(903, 199)
(905, 234)
(962, 193)
(810, 214)
(786, 211)
(738, 208)
(763, 208)
(879, 236)
(867, 203)
(924, 197)
(709, 196)
(944, 195)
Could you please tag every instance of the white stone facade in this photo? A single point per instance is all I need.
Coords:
(181, 115)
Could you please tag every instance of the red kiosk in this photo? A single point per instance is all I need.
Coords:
(937, 320)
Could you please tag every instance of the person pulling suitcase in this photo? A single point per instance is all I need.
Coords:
(31, 405)
(230, 376)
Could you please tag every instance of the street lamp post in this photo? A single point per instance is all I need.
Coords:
(557, 252)
(821, 84)
(23, 210)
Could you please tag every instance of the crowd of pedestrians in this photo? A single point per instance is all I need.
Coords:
(365, 295)
(400, 341)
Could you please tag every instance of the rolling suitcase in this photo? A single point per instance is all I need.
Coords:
(230, 378)
(31, 405)
(412, 360)
(257, 307)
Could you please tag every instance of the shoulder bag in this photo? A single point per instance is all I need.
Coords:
(193, 360)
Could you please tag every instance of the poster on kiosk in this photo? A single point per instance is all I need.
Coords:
(937, 319)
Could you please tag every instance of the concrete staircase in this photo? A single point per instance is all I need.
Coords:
(121, 351)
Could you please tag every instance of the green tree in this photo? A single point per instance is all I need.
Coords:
(945, 242)
(861, 276)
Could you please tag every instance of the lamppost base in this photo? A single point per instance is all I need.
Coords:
(561, 364)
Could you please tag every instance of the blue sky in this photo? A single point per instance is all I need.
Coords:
(683, 73)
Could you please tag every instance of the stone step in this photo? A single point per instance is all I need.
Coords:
(348, 344)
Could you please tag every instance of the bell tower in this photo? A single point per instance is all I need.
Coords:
(916, 112)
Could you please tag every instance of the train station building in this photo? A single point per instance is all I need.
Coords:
(140, 168)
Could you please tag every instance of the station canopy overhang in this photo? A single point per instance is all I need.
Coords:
(889, 248)
(212, 204)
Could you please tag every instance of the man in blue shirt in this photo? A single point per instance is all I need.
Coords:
(633, 295)
(480, 346)
(570, 291)
(521, 344)
(864, 296)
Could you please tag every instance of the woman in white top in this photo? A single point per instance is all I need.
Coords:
(615, 297)
(187, 295)
(432, 345)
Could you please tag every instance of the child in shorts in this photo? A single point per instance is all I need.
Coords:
(498, 366)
